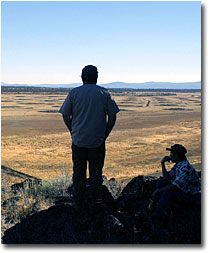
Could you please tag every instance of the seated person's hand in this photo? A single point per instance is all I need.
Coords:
(166, 159)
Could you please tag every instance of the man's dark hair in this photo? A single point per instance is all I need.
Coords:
(89, 74)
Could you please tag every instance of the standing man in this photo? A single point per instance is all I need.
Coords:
(89, 113)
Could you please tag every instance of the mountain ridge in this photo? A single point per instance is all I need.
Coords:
(121, 85)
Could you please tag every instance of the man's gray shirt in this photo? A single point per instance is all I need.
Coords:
(89, 105)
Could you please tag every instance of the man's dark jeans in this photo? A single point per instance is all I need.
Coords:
(95, 157)
(169, 199)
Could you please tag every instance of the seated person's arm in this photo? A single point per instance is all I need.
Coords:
(164, 171)
(169, 187)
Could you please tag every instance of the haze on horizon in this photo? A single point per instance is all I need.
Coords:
(133, 42)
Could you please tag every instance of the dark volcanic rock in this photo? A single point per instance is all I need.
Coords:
(124, 220)
(62, 224)
(137, 193)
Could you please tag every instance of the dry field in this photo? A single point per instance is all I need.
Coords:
(36, 142)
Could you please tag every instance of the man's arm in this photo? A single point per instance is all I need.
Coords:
(67, 120)
(164, 171)
(110, 124)
(169, 187)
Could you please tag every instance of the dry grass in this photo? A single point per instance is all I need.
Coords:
(37, 143)
(17, 205)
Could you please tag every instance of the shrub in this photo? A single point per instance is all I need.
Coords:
(29, 200)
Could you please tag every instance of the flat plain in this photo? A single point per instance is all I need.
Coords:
(35, 141)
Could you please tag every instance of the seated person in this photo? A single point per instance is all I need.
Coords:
(181, 185)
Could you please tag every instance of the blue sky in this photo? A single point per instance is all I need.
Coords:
(50, 42)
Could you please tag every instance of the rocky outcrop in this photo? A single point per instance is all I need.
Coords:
(122, 220)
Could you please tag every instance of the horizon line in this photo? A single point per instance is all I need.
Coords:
(2, 82)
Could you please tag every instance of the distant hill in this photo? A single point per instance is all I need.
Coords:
(154, 85)
(121, 85)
